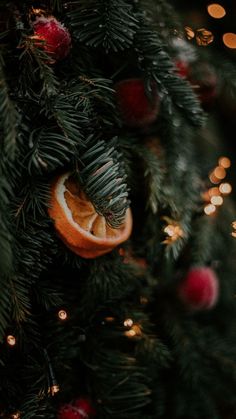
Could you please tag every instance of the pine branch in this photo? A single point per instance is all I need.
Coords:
(9, 117)
(102, 177)
(157, 66)
(35, 67)
(49, 150)
(104, 23)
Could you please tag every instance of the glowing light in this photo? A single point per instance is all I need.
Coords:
(174, 232)
(128, 323)
(143, 300)
(225, 188)
(62, 314)
(189, 32)
(216, 10)
(224, 162)
(130, 333)
(217, 200)
(229, 40)
(213, 178)
(219, 172)
(209, 209)
(204, 37)
(54, 389)
(234, 227)
(15, 415)
(109, 319)
(214, 191)
(11, 340)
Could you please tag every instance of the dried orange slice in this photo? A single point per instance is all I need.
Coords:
(81, 228)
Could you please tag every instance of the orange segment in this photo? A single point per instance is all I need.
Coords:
(81, 228)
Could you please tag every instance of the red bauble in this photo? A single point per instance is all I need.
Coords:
(200, 289)
(57, 38)
(182, 68)
(136, 108)
(80, 409)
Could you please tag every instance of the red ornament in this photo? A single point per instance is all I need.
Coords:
(136, 108)
(200, 289)
(57, 38)
(182, 68)
(80, 409)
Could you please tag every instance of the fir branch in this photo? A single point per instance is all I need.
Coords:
(157, 66)
(104, 23)
(35, 64)
(102, 178)
(4, 306)
(9, 117)
(49, 150)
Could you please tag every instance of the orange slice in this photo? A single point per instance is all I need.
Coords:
(80, 227)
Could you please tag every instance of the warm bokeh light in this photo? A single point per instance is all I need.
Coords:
(214, 191)
(219, 172)
(209, 209)
(130, 333)
(174, 232)
(54, 389)
(216, 10)
(217, 200)
(62, 314)
(11, 340)
(225, 188)
(128, 323)
(204, 37)
(224, 162)
(109, 319)
(234, 227)
(15, 415)
(229, 40)
(189, 32)
(213, 178)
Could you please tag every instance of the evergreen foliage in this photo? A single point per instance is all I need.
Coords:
(128, 343)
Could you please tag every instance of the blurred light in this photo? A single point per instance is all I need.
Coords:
(143, 300)
(11, 340)
(214, 191)
(204, 37)
(109, 319)
(219, 172)
(216, 10)
(128, 323)
(234, 227)
(229, 40)
(225, 188)
(130, 333)
(189, 32)
(217, 200)
(213, 178)
(209, 209)
(15, 415)
(62, 314)
(224, 162)
(54, 389)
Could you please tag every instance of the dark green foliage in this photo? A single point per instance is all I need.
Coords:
(106, 23)
(166, 362)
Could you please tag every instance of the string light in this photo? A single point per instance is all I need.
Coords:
(225, 188)
(216, 10)
(128, 323)
(224, 162)
(54, 389)
(62, 314)
(173, 231)
(134, 331)
(217, 200)
(234, 227)
(214, 191)
(209, 209)
(15, 415)
(229, 40)
(11, 340)
(220, 172)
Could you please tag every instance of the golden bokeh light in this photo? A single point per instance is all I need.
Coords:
(128, 323)
(224, 162)
(11, 340)
(209, 209)
(204, 37)
(214, 191)
(216, 10)
(54, 389)
(229, 40)
(189, 32)
(219, 172)
(225, 188)
(217, 200)
(62, 314)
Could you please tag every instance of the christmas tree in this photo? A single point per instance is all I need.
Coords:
(117, 270)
